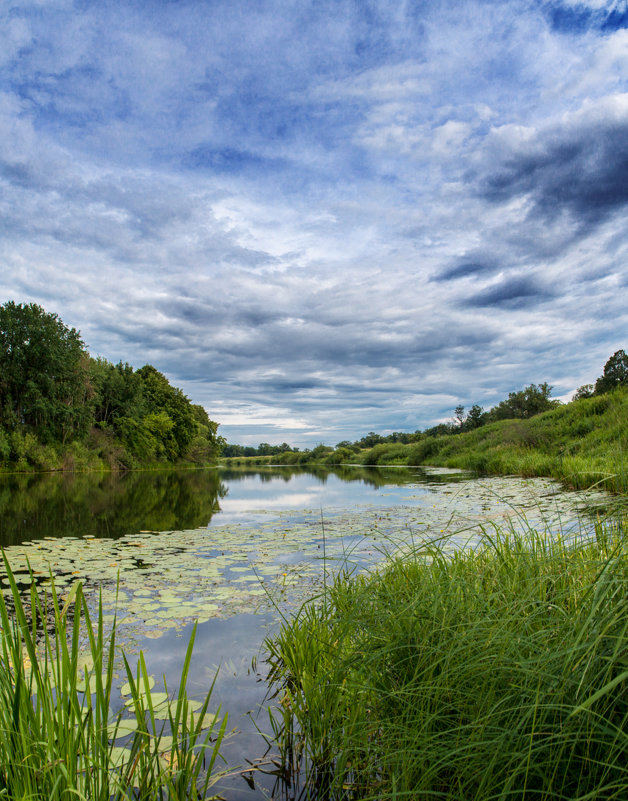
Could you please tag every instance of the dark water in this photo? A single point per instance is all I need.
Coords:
(113, 506)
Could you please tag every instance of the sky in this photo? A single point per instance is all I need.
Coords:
(322, 218)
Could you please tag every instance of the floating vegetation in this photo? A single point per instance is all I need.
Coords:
(160, 581)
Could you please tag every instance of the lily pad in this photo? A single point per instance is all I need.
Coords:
(124, 728)
(126, 687)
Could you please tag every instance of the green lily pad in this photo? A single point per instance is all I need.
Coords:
(206, 722)
(124, 728)
(119, 756)
(126, 687)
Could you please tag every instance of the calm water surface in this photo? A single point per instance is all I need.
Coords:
(234, 547)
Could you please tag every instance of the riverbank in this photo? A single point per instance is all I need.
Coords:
(492, 673)
(581, 443)
(91, 456)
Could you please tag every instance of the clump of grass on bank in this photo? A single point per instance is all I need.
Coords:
(494, 673)
(58, 737)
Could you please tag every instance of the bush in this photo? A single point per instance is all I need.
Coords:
(386, 453)
(425, 448)
(341, 456)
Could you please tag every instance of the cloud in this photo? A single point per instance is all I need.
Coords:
(578, 165)
(320, 218)
(470, 266)
(512, 293)
(577, 17)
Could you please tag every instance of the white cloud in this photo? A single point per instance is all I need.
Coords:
(336, 273)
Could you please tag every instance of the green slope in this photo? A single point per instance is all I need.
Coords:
(582, 442)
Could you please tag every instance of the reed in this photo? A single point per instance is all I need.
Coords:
(493, 672)
(58, 734)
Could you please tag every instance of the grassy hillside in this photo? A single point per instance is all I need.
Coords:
(583, 442)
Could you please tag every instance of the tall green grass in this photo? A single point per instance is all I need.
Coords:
(582, 443)
(59, 739)
(499, 672)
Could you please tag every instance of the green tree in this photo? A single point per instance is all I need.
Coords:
(459, 417)
(475, 418)
(44, 382)
(161, 396)
(585, 391)
(206, 444)
(526, 403)
(370, 440)
(615, 373)
(118, 392)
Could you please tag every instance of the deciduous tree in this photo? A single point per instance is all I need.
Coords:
(615, 373)
(44, 382)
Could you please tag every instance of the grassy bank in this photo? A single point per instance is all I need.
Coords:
(498, 673)
(60, 740)
(96, 454)
(581, 443)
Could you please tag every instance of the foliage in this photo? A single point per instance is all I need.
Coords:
(175, 425)
(585, 391)
(118, 392)
(386, 453)
(62, 409)
(263, 449)
(44, 383)
(525, 403)
(497, 672)
(615, 373)
(583, 442)
(340, 456)
(57, 733)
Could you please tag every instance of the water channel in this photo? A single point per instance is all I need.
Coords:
(235, 549)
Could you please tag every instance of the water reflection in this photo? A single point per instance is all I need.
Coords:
(372, 476)
(33, 506)
(106, 504)
(259, 551)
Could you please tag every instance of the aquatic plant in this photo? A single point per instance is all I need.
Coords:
(59, 738)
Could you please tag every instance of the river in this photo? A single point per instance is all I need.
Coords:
(235, 549)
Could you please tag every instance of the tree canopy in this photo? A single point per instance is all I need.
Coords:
(53, 392)
(615, 373)
(44, 382)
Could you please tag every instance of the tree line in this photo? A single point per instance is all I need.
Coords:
(60, 407)
(522, 404)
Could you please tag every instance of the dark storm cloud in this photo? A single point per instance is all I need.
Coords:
(579, 167)
(511, 293)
